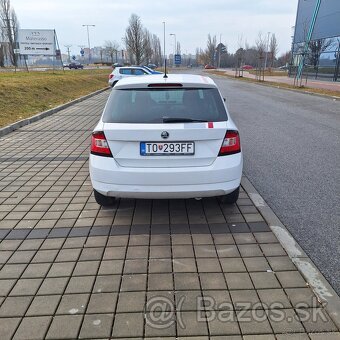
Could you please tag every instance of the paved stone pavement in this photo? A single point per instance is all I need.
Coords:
(142, 269)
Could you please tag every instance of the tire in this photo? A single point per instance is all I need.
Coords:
(230, 198)
(102, 200)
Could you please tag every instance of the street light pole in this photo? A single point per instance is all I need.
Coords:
(265, 62)
(68, 52)
(88, 39)
(219, 52)
(174, 35)
(165, 71)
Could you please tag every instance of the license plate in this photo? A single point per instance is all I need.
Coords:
(167, 148)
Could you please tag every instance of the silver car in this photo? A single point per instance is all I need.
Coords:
(126, 71)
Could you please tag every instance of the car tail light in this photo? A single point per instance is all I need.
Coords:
(99, 144)
(111, 76)
(231, 144)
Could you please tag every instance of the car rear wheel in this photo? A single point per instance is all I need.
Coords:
(102, 200)
(230, 198)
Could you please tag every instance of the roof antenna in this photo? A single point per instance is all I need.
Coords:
(165, 75)
(165, 70)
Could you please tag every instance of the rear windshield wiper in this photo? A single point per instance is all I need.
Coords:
(182, 120)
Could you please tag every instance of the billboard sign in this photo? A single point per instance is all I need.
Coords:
(327, 22)
(36, 42)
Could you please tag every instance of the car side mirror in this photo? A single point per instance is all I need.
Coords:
(224, 99)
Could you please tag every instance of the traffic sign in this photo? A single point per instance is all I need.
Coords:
(73, 57)
(178, 59)
(82, 52)
(36, 42)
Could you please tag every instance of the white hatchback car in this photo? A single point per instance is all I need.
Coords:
(165, 138)
(127, 71)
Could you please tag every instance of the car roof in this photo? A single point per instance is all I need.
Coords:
(116, 69)
(187, 80)
(138, 67)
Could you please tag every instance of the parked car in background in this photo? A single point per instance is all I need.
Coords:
(165, 138)
(152, 66)
(209, 67)
(152, 70)
(247, 67)
(75, 65)
(128, 71)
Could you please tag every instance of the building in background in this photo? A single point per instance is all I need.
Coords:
(316, 41)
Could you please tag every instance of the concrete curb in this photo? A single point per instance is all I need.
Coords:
(15, 126)
(323, 290)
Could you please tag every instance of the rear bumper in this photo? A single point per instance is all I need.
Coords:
(220, 178)
(165, 191)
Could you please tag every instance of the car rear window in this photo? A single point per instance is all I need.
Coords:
(156, 104)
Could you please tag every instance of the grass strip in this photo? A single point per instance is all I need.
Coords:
(24, 94)
(270, 73)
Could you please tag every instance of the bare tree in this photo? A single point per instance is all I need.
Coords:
(198, 55)
(2, 46)
(134, 39)
(111, 48)
(240, 53)
(148, 51)
(316, 48)
(260, 44)
(251, 56)
(156, 50)
(208, 55)
(10, 24)
(273, 49)
(260, 52)
(285, 58)
(211, 49)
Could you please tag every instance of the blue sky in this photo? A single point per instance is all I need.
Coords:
(190, 20)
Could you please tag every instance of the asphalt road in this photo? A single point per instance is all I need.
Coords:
(291, 144)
